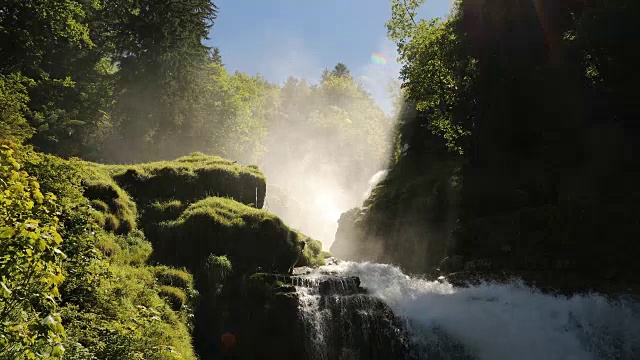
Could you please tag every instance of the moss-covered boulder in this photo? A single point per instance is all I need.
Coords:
(111, 206)
(191, 178)
(251, 238)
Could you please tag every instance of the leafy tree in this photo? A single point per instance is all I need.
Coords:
(160, 59)
(61, 47)
(235, 110)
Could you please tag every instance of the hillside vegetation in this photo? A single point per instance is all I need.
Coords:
(83, 280)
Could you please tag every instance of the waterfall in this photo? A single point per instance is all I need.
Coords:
(434, 320)
(342, 322)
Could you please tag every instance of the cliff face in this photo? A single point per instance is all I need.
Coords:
(558, 228)
(410, 216)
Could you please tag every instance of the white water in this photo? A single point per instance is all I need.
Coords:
(512, 321)
(316, 320)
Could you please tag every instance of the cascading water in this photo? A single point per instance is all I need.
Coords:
(490, 321)
(342, 322)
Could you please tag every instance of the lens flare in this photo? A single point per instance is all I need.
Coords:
(378, 58)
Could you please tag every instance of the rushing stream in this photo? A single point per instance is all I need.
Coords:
(389, 315)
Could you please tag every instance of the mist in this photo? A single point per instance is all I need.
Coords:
(330, 148)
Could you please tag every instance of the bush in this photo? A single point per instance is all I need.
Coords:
(13, 106)
(129, 320)
(30, 270)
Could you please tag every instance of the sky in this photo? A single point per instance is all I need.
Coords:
(281, 38)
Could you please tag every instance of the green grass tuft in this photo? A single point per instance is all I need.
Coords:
(173, 277)
(109, 199)
(175, 297)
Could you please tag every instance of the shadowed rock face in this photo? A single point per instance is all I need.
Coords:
(314, 317)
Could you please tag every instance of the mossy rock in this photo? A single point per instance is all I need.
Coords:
(249, 237)
(112, 207)
(175, 297)
(191, 178)
(173, 277)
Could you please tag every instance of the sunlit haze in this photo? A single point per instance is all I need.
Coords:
(308, 187)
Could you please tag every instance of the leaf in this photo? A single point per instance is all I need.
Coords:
(6, 233)
(5, 290)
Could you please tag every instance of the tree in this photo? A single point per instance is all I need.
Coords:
(341, 70)
(160, 59)
(51, 43)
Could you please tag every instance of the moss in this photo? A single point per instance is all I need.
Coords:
(159, 211)
(131, 249)
(175, 297)
(100, 206)
(191, 178)
(312, 254)
(249, 237)
(173, 277)
(109, 199)
(131, 316)
(111, 222)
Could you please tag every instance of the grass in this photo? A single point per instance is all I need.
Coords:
(117, 209)
(191, 178)
(180, 279)
(114, 304)
(251, 238)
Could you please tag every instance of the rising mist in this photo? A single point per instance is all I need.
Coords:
(321, 154)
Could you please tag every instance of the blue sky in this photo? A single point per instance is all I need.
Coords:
(279, 38)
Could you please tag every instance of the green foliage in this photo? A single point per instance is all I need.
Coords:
(312, 255)
(159, 88)
(131, 249)
(13, 106)
(107, 198)
(325, 122)
(173, 277)
(111, 306)
(237, 107)
(249, 237)
(128, 320)
(217, 269)
(175, 297)
(30, 265)
(189, 179)
(546, 131)
(438, 75)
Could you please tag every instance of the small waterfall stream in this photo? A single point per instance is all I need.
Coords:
(343, 322)
(372, 311)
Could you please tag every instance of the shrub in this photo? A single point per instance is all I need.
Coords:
(13, 106)
(30, 270)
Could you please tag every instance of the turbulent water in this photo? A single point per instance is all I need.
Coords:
(491, 321)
